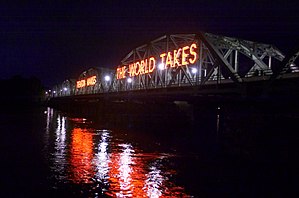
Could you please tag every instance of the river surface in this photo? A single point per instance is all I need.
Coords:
(47, 153)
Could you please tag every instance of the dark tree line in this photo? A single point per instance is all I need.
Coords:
(19, 90)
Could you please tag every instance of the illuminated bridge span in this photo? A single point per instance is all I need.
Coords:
(185, 64)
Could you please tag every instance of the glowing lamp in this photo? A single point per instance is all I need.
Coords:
(129, 80)
(161, 66)
(107, 78)
(194, 70)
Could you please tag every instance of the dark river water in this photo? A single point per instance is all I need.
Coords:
(47, 153)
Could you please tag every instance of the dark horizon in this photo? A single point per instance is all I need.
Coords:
(57, 41)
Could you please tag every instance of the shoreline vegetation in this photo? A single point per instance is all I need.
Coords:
(19, 92)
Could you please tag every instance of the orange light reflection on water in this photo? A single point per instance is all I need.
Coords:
(81, 149)
(136, 174)
(122, 170)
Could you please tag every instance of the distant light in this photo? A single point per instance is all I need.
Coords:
(46, 92)
(194, 70)
(49, 90)
(54, 91)
(161, 66)
(65, 89)
(107, 78)
(129, 80)
(60, 89)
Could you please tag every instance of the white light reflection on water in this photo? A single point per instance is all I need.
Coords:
(48, 124)
(60, 147)
(49, 118)
(102, 158)
(153, 182)
(125, 170)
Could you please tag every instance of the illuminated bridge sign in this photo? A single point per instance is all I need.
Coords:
(181, 60)
(176, 58)
(86, 82)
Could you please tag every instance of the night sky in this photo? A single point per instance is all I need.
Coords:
(56, 41)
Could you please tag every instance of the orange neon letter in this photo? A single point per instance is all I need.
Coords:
(94, 80)
(88, 81)
(121, 72)
(144, 65)
(118, 72)
(169, 60)
(176, 55)
(80, 83)
(163, 58)
(136, 66)
(185, 55)
(141, 68)
(131, 70)
(91, 80)
(193, 47)
(151, 64)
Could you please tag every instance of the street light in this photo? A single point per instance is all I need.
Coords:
(194, 70)
(129, 80)
(161, 66)
(107, 78)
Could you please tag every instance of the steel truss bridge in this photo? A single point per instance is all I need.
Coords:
(223, 65)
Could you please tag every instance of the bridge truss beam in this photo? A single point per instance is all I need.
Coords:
(218, 60)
